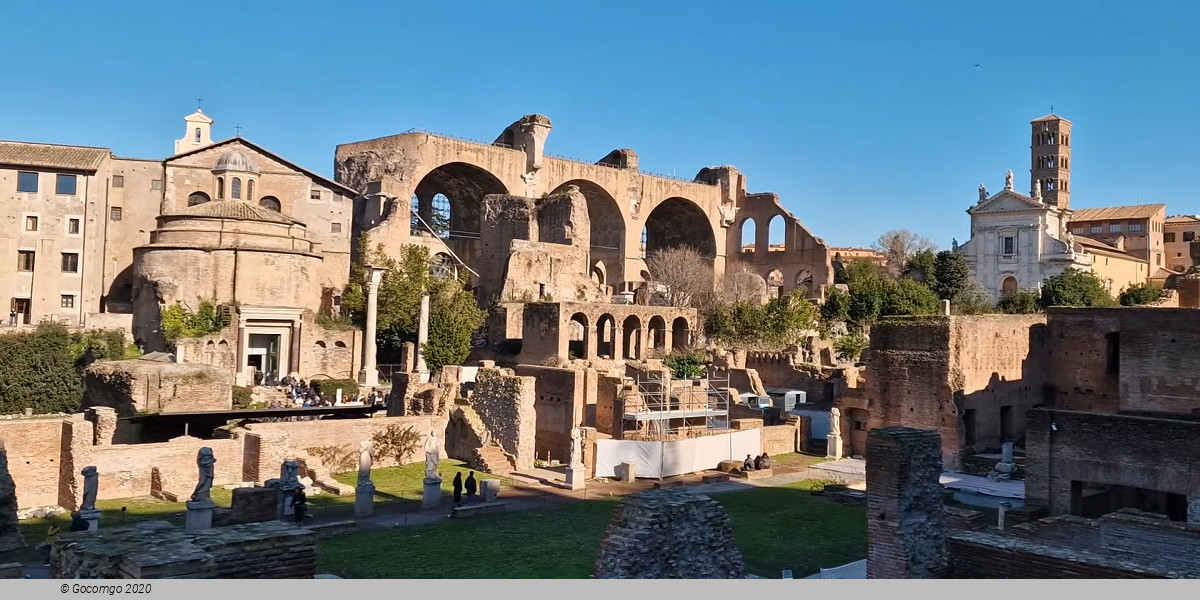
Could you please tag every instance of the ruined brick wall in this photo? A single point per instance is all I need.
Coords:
(906, 526)
(505, 404)
(285, 440)
(157, 550)
(35, 449)
(1077, 359)
(608, 411)
(10, 534)
(779, 370)
(542, 339)
(129, 470)
(942, 373)
(982, 555)
(329, 352)
(669, 534)
(1158, 360)
(132, 386)
(1152, 453)
(558, 404)
(780, 439)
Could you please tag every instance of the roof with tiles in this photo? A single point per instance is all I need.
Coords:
(52, 156)
(1140, 211)
(235, 209)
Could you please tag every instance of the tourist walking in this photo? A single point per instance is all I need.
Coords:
(299, 506)
(470, 485)
(458, 487)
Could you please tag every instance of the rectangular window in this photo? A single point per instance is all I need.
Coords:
(119, 181)
(1097, 228)
(1010, 245)
(114, 213)
(64, 185)
(73, 226)
(1134, 227)
(1169, 237)
(1114, 228)
(27, 182)
(70, 262)
(67, 301)
(1189, 236)
(314, 195)
(31, 223)
(335, 228)
(156, 184)
(860, 425)
(25, 260)
(1080, 230)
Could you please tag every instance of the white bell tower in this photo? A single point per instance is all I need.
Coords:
(198, 133)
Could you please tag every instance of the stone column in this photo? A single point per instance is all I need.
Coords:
(294, 353)
(590, 347)
(668, 339)
(906, 524)
(618, 343)
(240, 377)
(369, 375)
(422, 338)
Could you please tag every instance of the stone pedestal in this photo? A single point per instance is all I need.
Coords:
(627, 472)
(199, 516)
(834, 448)
(575, 478)
(489, 489)
(364, 499)
(431, 495)
(92, 517)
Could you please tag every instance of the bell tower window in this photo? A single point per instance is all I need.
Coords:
(197, 135)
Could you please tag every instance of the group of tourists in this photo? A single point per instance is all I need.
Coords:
(470, 484)
(756, 463)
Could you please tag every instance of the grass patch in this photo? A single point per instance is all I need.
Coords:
(776, 528)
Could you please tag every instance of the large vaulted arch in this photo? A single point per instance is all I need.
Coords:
(607, 227)
(449, 201)
(679, 222)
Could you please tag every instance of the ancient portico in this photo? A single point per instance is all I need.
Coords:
(631, 213)
(613, 331)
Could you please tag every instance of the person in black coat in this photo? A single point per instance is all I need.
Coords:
(458, 488)
(299, 506)
(471, 487)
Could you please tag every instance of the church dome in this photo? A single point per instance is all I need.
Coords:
(235, 161)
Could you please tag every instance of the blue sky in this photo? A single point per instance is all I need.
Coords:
(862, 116)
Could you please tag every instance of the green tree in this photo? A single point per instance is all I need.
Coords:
(1140, 293)
(1074, 287)
(851, 346)
(951, 274)
(454, 317)
(779, 323)
(42, 369)
(867, 297)
(836, 308)
(908, 297)
(973, 299)
(1022, 302)
(922, 266)
(862, 269)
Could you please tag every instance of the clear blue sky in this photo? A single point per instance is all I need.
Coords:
(862, 116)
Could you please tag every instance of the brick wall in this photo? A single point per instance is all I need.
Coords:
(1158, 361)
(328, 351)
(34, 458)
(1076, 358)
(608, 392)
(284, 440)
(130, 386)
(126, 470)
(780, 439)
(505, 404)
(906, 526)
(1156, 454)
(979, 555)
(559, 405)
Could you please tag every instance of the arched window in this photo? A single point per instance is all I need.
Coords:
(270, 203)
(235, 189)
(197, 135)
(250, 191)
(220, 188)
(197, 198)
(1009, 285)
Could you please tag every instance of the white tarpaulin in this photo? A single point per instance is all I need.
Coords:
(667, 459)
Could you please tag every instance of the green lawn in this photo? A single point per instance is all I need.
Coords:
(776, 528)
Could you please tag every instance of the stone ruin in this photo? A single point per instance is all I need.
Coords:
(10, 534)
(669, 534)
(906, 526)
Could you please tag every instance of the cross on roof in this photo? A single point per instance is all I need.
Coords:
(238, 127)
(198, 102)
(1051, 109)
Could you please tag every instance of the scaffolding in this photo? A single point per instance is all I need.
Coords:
(700, 409)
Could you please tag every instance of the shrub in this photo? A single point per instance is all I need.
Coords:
(1074, 287)
(241, 397)
(1141, 293)
(851, 346)
(688, 365)
(328, 388)
(396, 442)
(178, 322)
(1023, 302)
(42, 369)
(339, 459)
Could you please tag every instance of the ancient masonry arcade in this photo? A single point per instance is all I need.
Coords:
(631, 213)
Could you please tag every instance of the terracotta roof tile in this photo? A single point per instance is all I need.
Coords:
(235, 209)
(1140, 211)
(52, 156)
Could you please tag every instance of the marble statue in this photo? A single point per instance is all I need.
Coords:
(1008, 180)
(91, 483)
(576, 448)
(431, 457)
(289, 473)
(835, 421)
(954, 244)
(982, 193)
(365, 460)
(205, 462)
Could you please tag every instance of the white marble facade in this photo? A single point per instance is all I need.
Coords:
(1018, 241)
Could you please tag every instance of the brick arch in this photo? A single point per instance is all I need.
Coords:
(606, 332)
(656, 333)
(464, 185)
(578, 348)
(680, 333)
(607, 231)
(678, 221)
(632, 345)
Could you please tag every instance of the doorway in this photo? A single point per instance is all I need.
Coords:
(22, 308)
(263, 356)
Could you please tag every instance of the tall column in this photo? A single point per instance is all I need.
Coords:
(240, 376)
(294, 352)
(618, 343)
(422, 338)
(369, 375)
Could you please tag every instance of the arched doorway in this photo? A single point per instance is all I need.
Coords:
(449, 198)
(680, 334)
(578, 340)
(656, 334)
(749, 231)
(606, 336)
(1008, 285)
(679, 222)
(607, 226)
(632, 328)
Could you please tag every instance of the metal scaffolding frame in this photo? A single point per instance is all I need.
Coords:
(664, 417)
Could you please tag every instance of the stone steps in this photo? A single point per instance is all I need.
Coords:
(492, 459)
